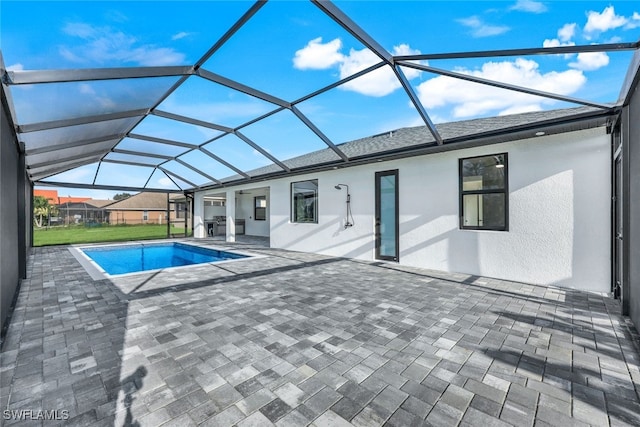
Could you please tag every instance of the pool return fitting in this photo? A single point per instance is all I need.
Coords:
(349, 222)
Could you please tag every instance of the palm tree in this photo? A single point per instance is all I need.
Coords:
(40, 210)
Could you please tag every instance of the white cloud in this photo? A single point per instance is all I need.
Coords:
(634, 21)
(380, 82)
(607, 20)
(470, 99)
(106, 102)
(180, 35)
(86, 89)
(567, 32)
(589, 61)
(480, 29)
(556, 43)
(529, 6)
(104, 44)
(15, 67)
(79, 29)
(318, 56)
(166, 182)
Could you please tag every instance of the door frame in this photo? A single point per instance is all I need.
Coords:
(378, 239)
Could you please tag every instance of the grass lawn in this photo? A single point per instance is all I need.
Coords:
(82, 234)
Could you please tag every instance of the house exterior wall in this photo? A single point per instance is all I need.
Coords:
(136, 217)
(245, 210)
(559, 213)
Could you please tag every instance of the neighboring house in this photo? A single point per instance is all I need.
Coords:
(89, 210)
(54, 199)
(142, 208)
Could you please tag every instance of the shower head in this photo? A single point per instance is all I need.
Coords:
(337, 187)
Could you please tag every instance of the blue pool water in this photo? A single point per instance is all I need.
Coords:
(133, 258)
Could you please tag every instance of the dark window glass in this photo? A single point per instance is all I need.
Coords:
(304, 201)
(484, 193)
(483, 173)
(260, 213)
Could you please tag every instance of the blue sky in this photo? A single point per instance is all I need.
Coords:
(289, 49)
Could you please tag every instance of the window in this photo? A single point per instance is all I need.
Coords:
(260, 208)
(180, 207)
(304, 201)
(145, 215)
(484, 193)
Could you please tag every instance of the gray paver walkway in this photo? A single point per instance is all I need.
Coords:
(293, 339)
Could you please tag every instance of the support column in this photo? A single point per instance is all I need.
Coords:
(231, 216)
(22, 217)
(199, 230)
(168, 217)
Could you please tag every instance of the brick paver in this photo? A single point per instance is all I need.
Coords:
(294, 339)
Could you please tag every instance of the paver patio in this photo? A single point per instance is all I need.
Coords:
(294, 339)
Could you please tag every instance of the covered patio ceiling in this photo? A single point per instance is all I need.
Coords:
(218, 121)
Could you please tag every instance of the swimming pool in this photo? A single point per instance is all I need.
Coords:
(122, 259)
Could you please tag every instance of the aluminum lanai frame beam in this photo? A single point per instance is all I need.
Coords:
(161, 140)
(140, 153)
(500, 85)
(339, 82)
(418, 104)
(216, 78)
(231, 132)
(319, 133)
(354, 29)
(345, 22)
(224, 162)
(252, 121)
(90, 74)
(230, 32)
(100, 187)
(632, 74)
(461, 142)
(129, 163)
(302, 118)
(46, 172)
(191, 121)
(175, 175)
(72, 144)
(7, 102)
(164, 96)
(71, 158)
(261, 150)
(35, 127)
(198, 171)
(558, 50)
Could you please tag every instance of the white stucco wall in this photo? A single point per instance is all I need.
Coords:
(559, 213)
(245, 204)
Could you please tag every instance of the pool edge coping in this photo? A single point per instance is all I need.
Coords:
(98, 273)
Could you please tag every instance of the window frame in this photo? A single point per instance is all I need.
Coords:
(292, 205)
(256, 208)
(504, 191)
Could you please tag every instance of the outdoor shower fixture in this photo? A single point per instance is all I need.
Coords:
(349, 219)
